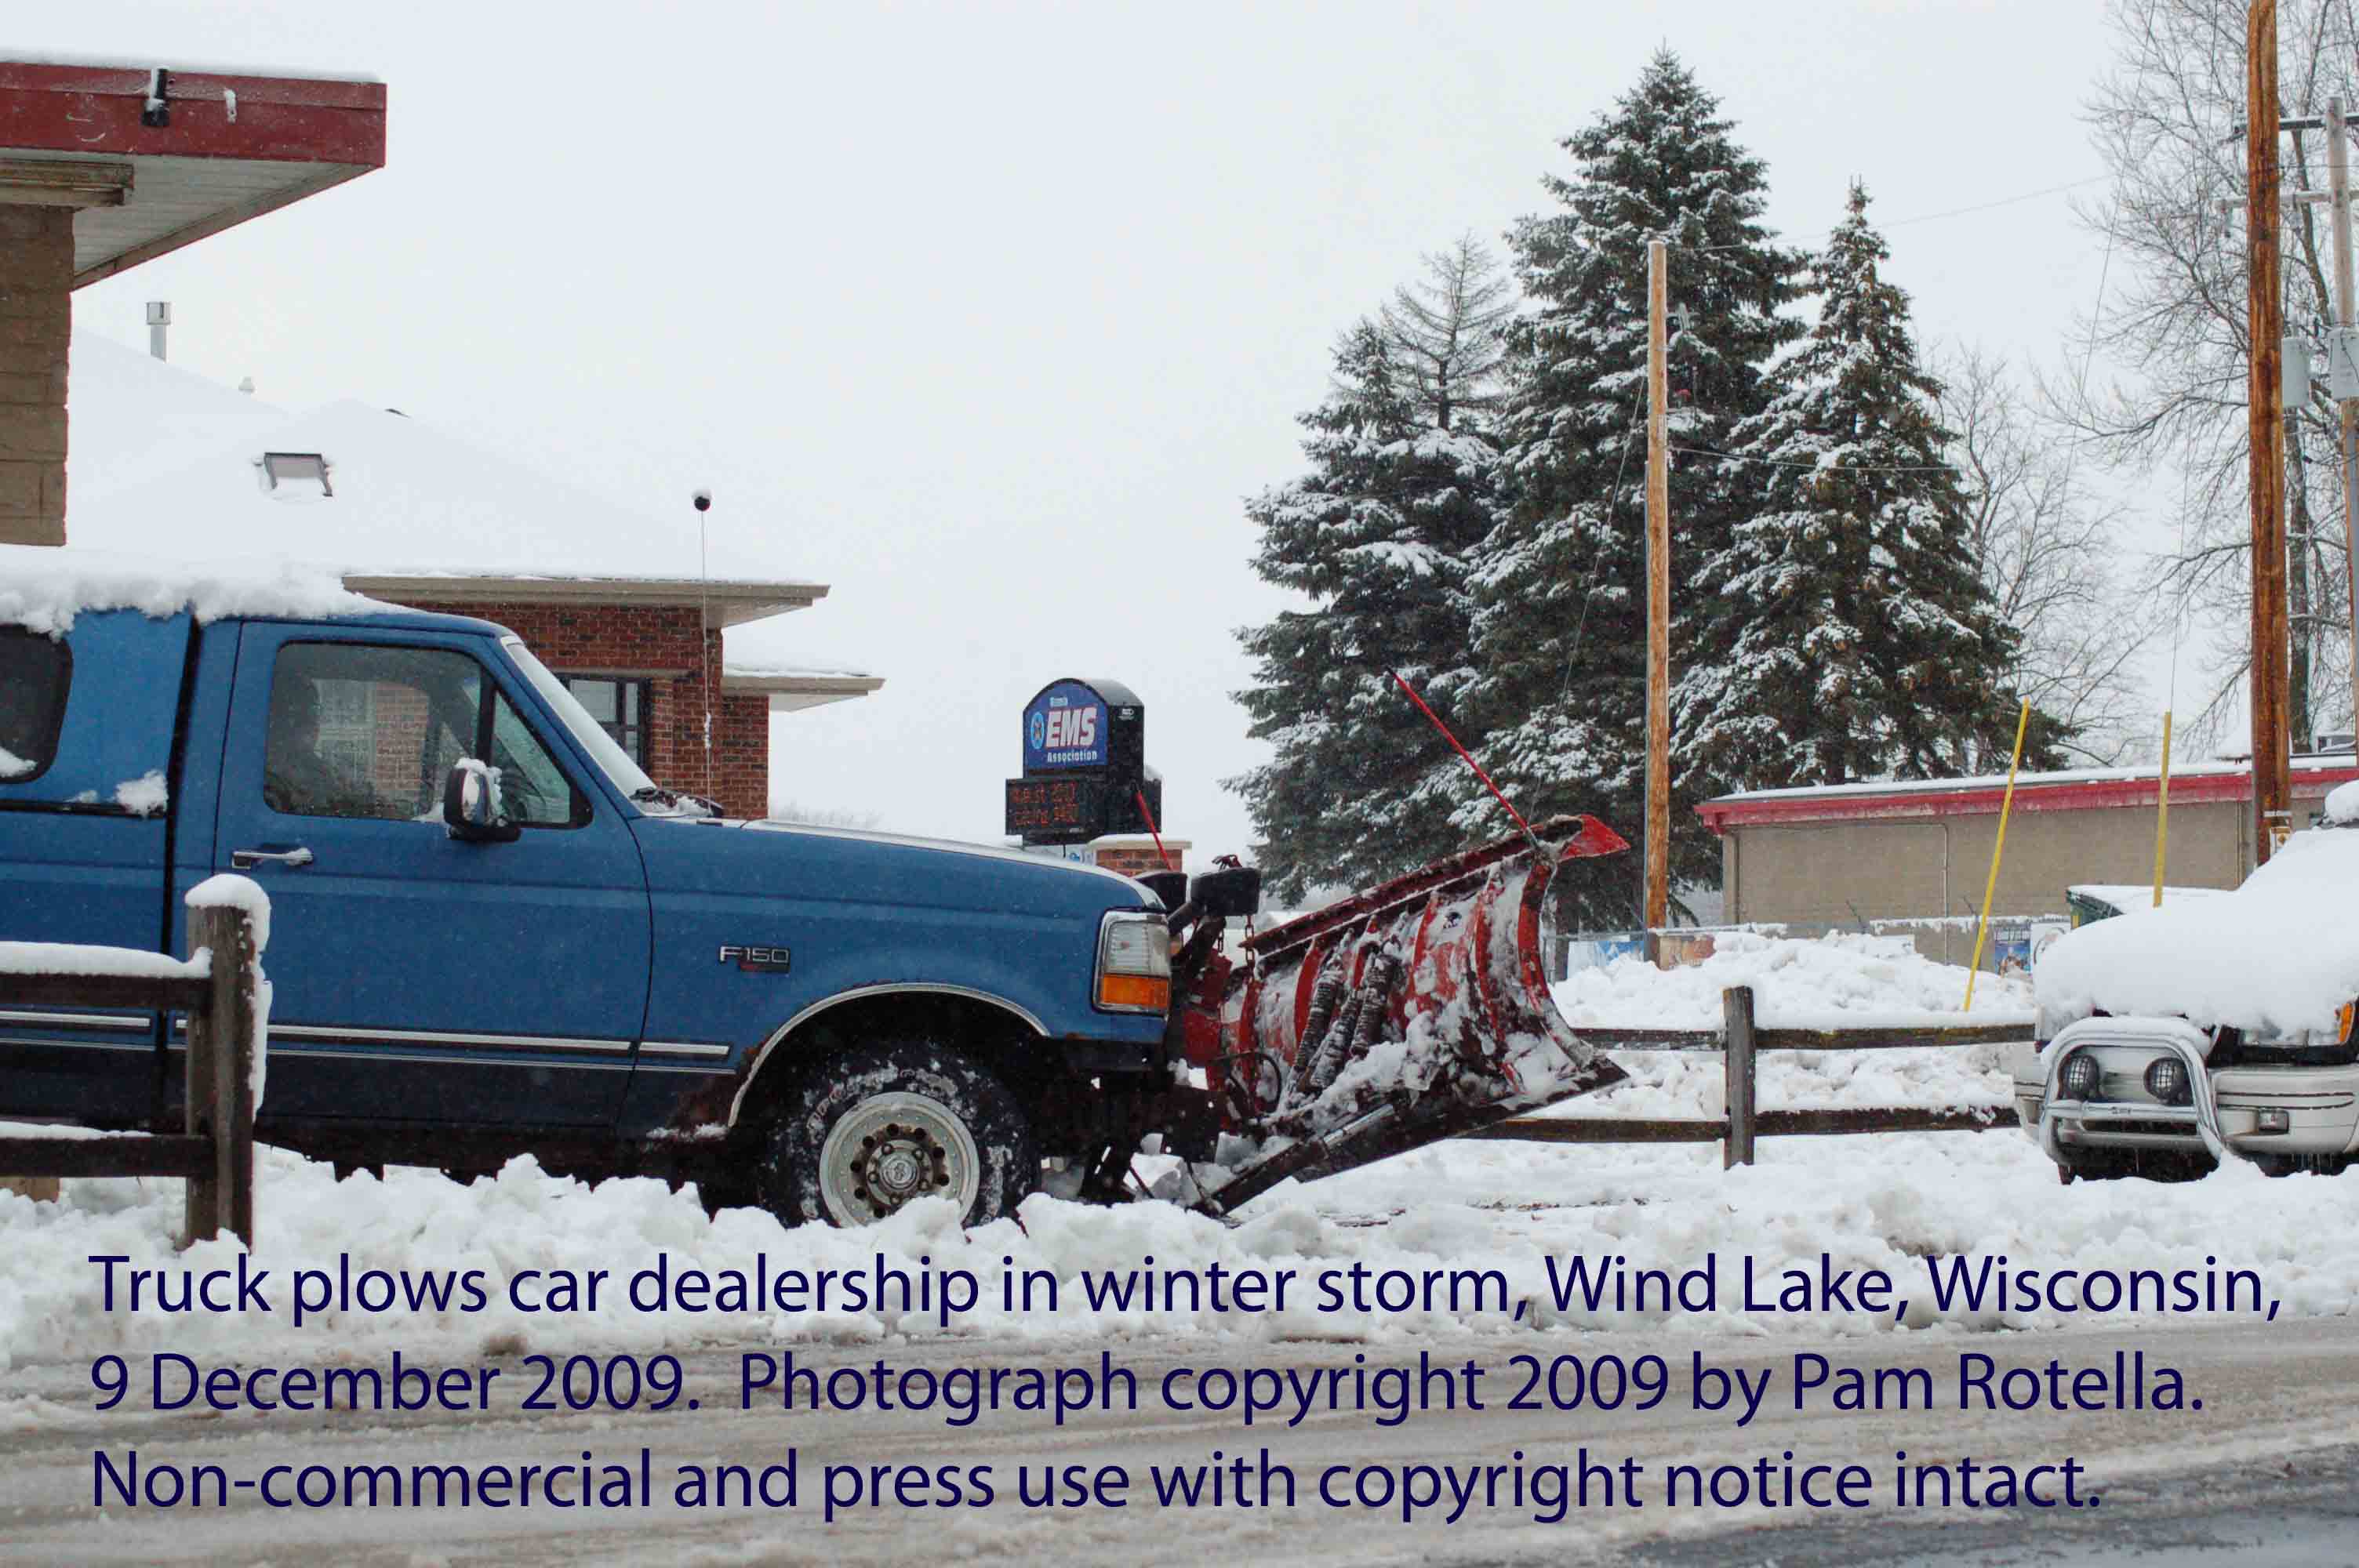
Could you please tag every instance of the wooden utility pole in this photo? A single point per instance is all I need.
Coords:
(2346, 316)
(1658, 612)
(2265, 307)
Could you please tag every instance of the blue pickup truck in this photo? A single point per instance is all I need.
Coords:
(578, 963)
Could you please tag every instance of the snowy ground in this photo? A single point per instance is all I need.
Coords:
(1881, 1201)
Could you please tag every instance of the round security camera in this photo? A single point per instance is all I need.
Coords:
(704, 501)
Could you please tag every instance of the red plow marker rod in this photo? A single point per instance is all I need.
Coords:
(1147, 812)
(1522, 825)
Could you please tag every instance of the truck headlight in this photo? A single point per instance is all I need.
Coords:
(2079, 1077)
(2166, 1080)
(1134, 963)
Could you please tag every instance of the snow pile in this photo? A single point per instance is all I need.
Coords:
(1840, 981)
(1876, 1202)
(2343, 804)
(43, 588)
(2277, 956)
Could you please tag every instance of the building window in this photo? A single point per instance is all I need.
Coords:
(619, 706)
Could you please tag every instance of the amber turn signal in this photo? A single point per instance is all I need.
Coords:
(1135, 990)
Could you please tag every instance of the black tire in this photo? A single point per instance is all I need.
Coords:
(917, 1109)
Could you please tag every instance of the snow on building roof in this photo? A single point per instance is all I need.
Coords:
(280, 68)
(132, 417)
(161, 461)
(791, 687)
(2078, 789)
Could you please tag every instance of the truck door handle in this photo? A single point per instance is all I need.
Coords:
(245, 859)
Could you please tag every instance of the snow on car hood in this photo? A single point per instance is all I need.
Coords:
(2280, 955)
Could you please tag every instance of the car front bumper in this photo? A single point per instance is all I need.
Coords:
(2252, 1111)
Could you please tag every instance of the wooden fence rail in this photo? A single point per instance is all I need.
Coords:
(1741, 1041)
(215, 1153)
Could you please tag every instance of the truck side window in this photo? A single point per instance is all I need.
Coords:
(357, 729)
(34, 673)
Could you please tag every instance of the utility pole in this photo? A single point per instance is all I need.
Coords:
(2264, 308)
(2339, 363)
(1659, 611)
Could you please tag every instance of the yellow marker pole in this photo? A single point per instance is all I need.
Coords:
(2163, 811)
(1990, 889)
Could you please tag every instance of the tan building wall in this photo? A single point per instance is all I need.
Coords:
(36, 322)
(1850, 871)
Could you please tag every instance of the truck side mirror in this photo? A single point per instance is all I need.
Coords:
(1235, 891)
(471, 805)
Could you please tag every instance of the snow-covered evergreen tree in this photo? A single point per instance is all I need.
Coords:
(1847, 633)
(1560, 617)
(1376, 537)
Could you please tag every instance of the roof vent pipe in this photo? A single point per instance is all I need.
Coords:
(159, 317)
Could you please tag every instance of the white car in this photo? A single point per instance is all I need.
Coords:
(2173, 1038)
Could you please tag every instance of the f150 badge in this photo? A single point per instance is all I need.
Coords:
(756, 960)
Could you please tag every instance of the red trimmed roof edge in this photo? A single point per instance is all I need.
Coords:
(94, 109)
(1978, 799)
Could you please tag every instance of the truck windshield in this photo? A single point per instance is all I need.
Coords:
(627, 776)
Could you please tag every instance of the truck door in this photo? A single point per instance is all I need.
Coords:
(85, 747)
(417, 977)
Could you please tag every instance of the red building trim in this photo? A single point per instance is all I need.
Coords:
(1982, 797)
(97, 109)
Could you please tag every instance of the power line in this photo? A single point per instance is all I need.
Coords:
(1928, 217)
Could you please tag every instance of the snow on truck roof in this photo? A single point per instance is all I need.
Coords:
(43, 588)
(2139, 895)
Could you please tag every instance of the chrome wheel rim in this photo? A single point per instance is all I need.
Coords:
(891, 1149)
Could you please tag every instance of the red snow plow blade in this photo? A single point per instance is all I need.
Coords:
(1414, 1011)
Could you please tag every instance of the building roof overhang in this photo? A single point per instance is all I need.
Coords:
(2093, 790)
(726, 604)
(152, 158)
(791, 691)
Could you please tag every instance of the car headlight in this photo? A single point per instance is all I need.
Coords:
(2078, 1080)
(1134, 971)
(2166, 1080)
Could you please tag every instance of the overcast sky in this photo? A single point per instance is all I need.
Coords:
(991, 315)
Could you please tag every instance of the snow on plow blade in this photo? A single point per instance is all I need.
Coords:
(1411, 1012)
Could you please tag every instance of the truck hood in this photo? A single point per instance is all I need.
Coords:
(2280, 955)
(856, 865)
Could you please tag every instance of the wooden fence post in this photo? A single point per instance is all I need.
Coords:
(1737, 1009)
(207, 928)
(220, 1077)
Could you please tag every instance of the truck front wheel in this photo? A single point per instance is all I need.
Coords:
(896, 1121)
